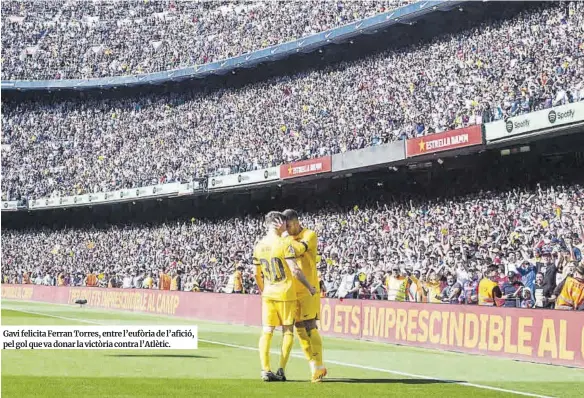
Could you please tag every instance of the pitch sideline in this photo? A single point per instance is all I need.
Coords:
(296, 355)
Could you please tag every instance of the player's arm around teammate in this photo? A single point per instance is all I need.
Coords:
(298, 274)
(305, 242)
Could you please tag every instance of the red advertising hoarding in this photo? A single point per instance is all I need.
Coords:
(306, 168)
(208, 306)
(546, 336)
(445, 141)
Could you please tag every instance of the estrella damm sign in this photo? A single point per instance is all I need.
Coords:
(306, 167)
(453, 139)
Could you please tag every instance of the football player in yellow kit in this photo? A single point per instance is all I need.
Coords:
(305, 243)
(276, 273)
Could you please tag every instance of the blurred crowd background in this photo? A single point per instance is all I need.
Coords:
(501, 68)
(87, 39)
(383, 242)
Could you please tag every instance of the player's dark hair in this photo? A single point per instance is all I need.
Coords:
(290, 214)
(274, 217)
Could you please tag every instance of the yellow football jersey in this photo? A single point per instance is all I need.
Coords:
(269, 257)
(305, 244)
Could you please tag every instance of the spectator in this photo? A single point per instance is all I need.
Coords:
(365, 285)
(512, 291)
(489, 290)
(502, 277)
(350, 285)
(433, 288)
(148, 282)
(394, 283)
(571, 295)
(542, 293)
(470, 291)
(527, 300)
(127, 281)
(528, 272)
(331, 286)
(378, 291)
(549, 270)
(451, 293)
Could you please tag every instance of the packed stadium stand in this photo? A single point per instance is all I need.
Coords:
(438, 227)
(79, 40)
(486, 73)
(439, 230)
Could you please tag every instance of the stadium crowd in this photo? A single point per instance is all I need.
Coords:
(417, 250)
(80, 40)
(492, 71)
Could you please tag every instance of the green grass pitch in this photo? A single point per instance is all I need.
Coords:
(227, 364)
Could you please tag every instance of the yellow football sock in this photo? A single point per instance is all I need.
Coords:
(287, 343)
(304, 342)
(265, 344)
(316, 345)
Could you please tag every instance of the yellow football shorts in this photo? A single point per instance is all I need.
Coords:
(308, 308)
(278, 313)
